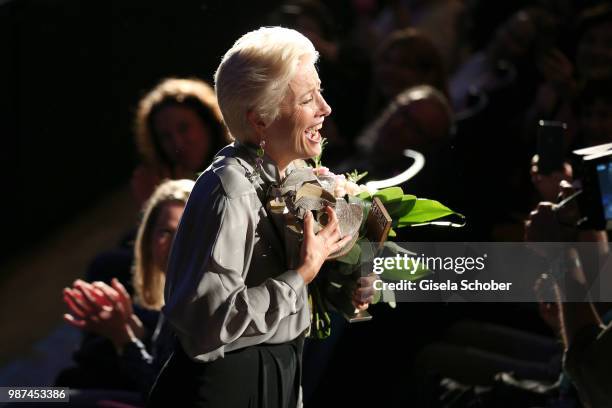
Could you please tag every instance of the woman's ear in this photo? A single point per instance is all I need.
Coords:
(256, 122)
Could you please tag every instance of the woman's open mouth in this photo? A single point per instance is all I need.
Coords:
(312, 133)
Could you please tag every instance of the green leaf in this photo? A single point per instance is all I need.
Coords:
(398, 209)
(355, 176)
(423, 211)
(367, 249)
(392, 233)
(352, 257)
(388, 296)
(390, 194)
(365, 196)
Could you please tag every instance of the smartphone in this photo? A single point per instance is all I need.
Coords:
(550, 146)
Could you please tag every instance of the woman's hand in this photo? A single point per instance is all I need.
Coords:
(543, 225)
(84, 300)
(100, 309)
(121, 295)
(126, 300)
(363, 294)
(317, 247)
(548, 184)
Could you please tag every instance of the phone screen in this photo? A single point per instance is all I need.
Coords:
(550, 146)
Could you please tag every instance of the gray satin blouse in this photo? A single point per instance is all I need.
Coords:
(227, 283)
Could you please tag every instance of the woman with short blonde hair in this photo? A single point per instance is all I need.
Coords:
(254, 75)
(238, 305)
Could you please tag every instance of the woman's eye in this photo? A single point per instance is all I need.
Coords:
(307, 101)
(164, 233)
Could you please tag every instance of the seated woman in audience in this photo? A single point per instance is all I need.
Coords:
(586, 328)
(106, 311)
(418, 118)
(178, 129)
(405, 59)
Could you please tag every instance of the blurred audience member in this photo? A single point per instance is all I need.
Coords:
(178, 129)
(440, 20)
(564, 78)
(501, 82)
(511, 52)
(594, 111)
(594, 48)
(419, 118)
(593, 107)
(106, 313)
(587, 341)
(405, 59)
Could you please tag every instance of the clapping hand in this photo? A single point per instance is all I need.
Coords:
(102, 309)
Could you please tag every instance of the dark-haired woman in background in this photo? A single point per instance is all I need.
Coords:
(178, 129)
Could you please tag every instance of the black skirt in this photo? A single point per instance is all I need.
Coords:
(261, 376)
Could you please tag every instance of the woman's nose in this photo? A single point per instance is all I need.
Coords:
(178, 140)
(325, 109)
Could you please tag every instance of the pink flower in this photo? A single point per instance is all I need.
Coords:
(321, 171)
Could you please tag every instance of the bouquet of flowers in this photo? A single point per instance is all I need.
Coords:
(312, 189)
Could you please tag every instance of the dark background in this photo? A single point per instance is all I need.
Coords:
(71, 74)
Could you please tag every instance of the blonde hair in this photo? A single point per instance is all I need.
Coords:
(254, 75)
(148, 279)
(191, 93)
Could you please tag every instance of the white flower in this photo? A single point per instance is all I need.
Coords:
(370, 190)
(352, 189)
(339, 191)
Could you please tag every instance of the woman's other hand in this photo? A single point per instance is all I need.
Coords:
(363, 295)
(126, 301)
